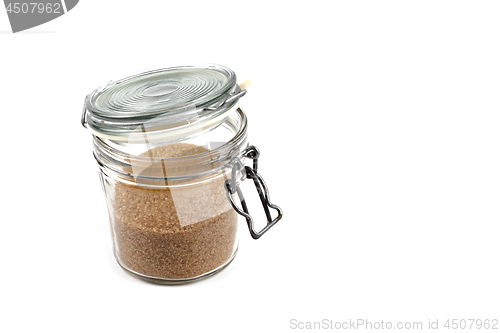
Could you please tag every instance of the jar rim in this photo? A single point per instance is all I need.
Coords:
(111, 158)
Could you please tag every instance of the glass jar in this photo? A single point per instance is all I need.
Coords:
(171, 146)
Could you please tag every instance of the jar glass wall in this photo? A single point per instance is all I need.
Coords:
(170, 217)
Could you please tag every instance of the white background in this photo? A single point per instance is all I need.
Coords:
(378, 123)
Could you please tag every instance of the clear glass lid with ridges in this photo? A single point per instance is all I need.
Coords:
(168, 104)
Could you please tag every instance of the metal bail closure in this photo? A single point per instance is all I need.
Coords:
(232, 187)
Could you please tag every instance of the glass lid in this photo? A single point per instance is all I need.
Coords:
(164, 104)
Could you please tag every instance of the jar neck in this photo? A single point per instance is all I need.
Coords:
(124, 160)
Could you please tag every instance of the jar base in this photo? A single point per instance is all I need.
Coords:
(157, 280)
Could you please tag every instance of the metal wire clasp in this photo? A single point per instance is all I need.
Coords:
(233, 187)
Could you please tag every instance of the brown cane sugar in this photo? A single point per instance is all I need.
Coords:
(177, 231)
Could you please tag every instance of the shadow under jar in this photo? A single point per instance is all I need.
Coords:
(171, 146)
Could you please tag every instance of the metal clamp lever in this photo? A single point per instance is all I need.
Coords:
(229, 100)
(232, 187)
